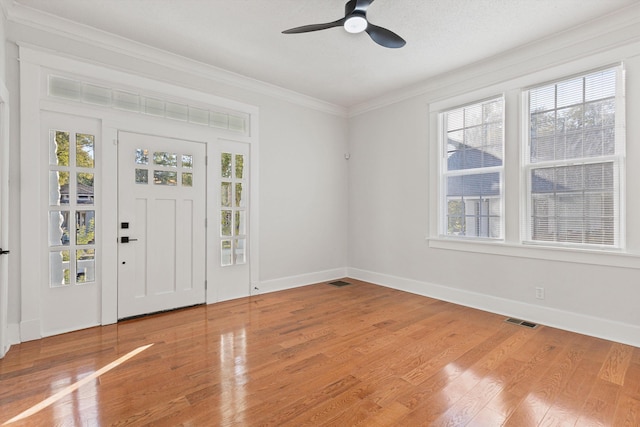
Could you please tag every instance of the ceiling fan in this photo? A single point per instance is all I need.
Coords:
(355, 21)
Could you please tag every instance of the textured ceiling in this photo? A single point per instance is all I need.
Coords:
(244, 36)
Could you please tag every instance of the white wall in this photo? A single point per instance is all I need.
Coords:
(320, 213)
(392, 205)
(303, 233)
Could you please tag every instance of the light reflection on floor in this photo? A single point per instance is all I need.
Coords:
(233, 372)
(75, 386)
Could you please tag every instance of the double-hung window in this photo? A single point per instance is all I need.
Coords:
(471, 196)
(573, 160)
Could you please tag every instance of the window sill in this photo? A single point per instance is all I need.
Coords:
(609, 258)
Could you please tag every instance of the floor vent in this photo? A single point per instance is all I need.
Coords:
(339, 283)
(521, 323)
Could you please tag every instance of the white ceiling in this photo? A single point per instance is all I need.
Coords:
(244, 36)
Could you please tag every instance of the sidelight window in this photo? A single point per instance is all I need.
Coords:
(72, 214)
(233, 209)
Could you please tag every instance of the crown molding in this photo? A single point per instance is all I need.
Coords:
(22, 15)
(603, 34)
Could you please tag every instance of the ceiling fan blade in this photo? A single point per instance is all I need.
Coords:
(359, 5)
(385, 37)
(314, 27)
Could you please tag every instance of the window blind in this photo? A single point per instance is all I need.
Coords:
(573, 161)
(472, 165)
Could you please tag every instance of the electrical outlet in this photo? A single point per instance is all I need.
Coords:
(540, 293)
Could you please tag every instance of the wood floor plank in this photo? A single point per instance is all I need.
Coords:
(615, 366)
(324, 356)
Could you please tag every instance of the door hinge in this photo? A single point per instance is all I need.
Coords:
(206, 223)
(206, 160)
(205, 285)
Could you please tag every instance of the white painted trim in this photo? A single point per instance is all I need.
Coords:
(5, 341)
(23, 15)
(30, 203)
(36, 63)
(292, 282)
(574, 322)
(30, 329)
(603, 257)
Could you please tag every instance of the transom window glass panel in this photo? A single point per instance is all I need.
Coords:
(472, 165)
(72, 227)
(573, 166)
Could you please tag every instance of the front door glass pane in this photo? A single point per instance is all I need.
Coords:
(142, 156)
(163, 158)
(165, 178)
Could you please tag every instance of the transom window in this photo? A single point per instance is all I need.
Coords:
(573, 159)
(472, 170)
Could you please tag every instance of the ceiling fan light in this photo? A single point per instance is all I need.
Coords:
(355, 24)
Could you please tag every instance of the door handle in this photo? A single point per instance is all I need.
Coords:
(126, 239)
(2, 252)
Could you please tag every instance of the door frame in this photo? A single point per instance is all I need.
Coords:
(36, 67)
(130, 303)
(4, 218)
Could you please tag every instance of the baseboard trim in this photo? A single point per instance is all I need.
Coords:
(291, 282)
(30, 330)
(574, 322)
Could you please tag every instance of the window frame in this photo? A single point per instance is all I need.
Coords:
(617, 159)
(513, 245)
(444, 173)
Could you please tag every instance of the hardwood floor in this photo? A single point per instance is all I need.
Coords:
(322, 355)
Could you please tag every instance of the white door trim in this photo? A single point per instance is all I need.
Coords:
(36, 64)
(4, 218)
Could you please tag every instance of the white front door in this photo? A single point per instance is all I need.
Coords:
(161, 222)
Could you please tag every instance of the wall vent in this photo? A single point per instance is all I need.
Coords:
(339, 283)
(522, 323)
